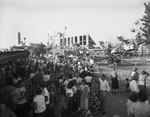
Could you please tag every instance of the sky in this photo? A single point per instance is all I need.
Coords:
(103, 20)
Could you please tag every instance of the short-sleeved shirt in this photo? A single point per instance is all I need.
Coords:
(45, 93)
(134, 86)
(19, 95)
(88, 78)
(40, 101)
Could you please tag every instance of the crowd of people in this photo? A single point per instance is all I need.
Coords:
(138, 102)
(31, 88)
(35, 88)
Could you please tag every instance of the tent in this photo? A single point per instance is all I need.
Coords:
(12, 55)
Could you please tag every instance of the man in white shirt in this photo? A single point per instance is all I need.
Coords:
(134, 85)
(39, 103)
(104, 88)
(46, 95)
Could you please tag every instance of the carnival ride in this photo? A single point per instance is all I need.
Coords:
(114, 55)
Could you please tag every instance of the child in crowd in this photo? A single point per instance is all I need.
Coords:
(127, 84)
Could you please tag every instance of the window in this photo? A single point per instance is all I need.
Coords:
(75, 39)
(84, 40)
(80, 40)
(65, 41)
(68, 40)
(61, 42)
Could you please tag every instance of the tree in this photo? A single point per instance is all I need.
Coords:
(145, 28)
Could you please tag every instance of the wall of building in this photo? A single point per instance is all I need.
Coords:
(70, 41)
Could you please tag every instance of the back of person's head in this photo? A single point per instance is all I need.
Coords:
(38, 90)
(83, 81)
(103, 75)
(43, 84)
(70, 76)
(89, 74)
(143, 72)
(142, 96)
(134, 69)
(20, 84)
(133, 97)
(127, 79)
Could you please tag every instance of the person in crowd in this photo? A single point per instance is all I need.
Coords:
(104, 88)
(127, 84)
(83, 73)
(5, 111)
(142, 81)
(70, 93)
(84, 99)
(114, 79)
(132, 99)
(88, 79)
(141, 108)
(46, 95)
(9, 77)
(95, 103)
(78, 92)
(75, 97)
(57, 106)
(134, 85)
(21, 100)
(63, 106)
(39, 103)
(134, 72)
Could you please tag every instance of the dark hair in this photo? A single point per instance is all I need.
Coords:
(127, 79)
(143, 72)
(89, 74)
(70, 76)
(103, 75)
(38, 90)
(83, 80)
(142, 96)
(133, 97)
(43, 84)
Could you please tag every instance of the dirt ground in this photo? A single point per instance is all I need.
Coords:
(116, 104)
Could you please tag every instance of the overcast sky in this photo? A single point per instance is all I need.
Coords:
(102, 19)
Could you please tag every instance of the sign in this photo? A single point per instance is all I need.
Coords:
(58, 52)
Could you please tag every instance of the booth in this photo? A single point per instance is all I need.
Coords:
(12, 55)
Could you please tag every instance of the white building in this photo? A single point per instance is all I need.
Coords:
(84, 40)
